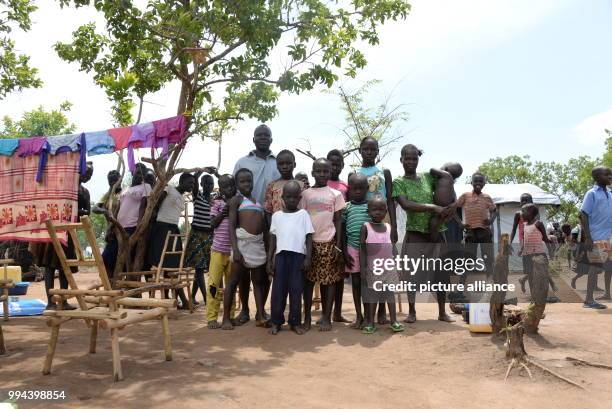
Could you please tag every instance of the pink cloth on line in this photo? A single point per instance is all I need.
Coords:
(31, 146)
(121, 136)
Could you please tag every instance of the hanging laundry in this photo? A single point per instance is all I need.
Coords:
(8, 146)
(31, 146)
(143, 136)
(60, 144)
(172, 129)
(121, 136)
(25, 205)
(99, 143)
(156, 134)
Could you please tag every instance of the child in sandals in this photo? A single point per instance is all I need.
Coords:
(376, 244)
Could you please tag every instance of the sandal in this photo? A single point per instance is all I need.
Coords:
(370, 329)
(397, 327)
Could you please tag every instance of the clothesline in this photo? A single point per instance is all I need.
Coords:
(156, 134)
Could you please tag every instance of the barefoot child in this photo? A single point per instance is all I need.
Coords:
(354, 216)
(197, 254)
(518, 225)
(376, 244)
(380, 183)
(479, 213)
(288, 256)
(220, 263)
(336, 159)
(324, 205)
(444, 195)
(247, 225)
(535, 240)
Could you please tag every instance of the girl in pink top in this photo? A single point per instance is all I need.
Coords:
(534, 243)
(375, 246)
(325, 206)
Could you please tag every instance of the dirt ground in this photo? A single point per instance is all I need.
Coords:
(431, 365)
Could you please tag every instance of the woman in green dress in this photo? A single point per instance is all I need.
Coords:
(414, 192)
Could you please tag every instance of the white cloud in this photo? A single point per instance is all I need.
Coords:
(591, 131)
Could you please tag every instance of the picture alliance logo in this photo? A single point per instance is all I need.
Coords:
(458, 265)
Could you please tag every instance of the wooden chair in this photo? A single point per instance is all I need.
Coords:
(5, 285)
(100, 305)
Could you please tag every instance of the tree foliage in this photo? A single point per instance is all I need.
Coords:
(224, 55)
(379, 122)
(569, 181)
(39, 122)
(15, 70)
(206, 44)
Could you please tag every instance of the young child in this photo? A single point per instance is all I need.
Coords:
(302, 177)
(247, 225)
(444, 195)
(354, 216)
(380, 183)
(220, 263)
(324, 205)
(285, 163)
(288, 256)
(566, 229)
(200, 235)
(535, 240)
(519, 224)
(336, 159)
(375, 243)
(479, 213)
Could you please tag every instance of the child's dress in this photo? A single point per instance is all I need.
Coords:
(378, 246)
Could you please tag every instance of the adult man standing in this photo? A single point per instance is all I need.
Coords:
(262, 163)
(596, 221)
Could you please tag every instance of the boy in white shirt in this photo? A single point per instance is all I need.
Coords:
(288, 258)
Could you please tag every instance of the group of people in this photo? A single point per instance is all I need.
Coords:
(271, 228)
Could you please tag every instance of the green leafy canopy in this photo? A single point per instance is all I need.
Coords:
(15, 71)
(38, 122)
(569, 181)
(222, 50)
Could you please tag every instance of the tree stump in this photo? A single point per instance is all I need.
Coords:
(539, 292)
(514, 341)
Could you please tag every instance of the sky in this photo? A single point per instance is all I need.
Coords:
(478, 78)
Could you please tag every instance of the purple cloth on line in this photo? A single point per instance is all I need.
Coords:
(143, 133)
(31, 146)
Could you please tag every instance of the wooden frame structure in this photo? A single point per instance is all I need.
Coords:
(177, 277)
(100, 305)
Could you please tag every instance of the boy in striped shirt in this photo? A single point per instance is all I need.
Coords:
(355, 215)
(479, 212)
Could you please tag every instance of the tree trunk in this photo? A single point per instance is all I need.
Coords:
(500, 276)
(539, 292)
(514, 340)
